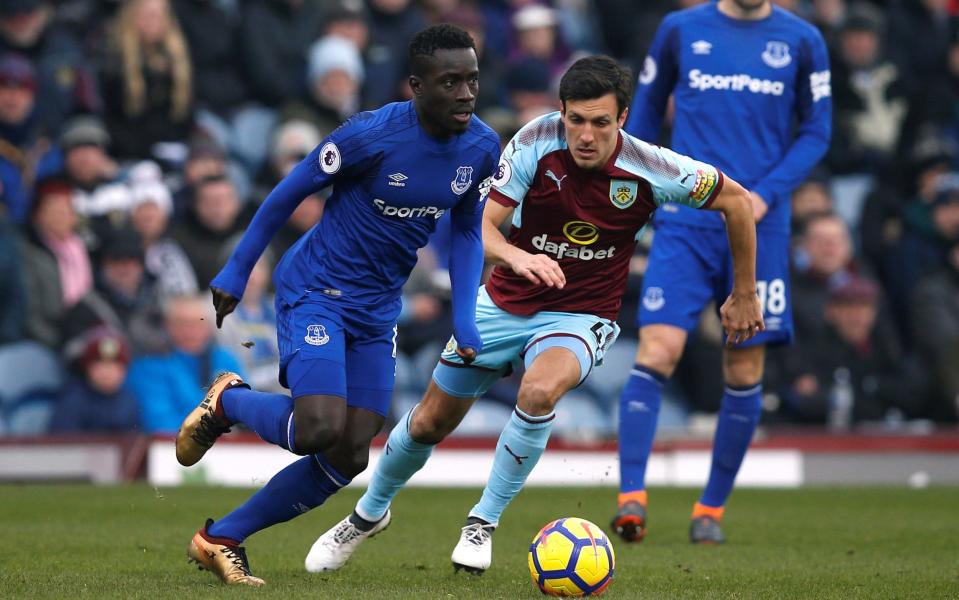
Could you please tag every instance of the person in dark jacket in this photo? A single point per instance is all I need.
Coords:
(95, 399)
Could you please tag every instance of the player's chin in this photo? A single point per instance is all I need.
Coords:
(460, 122)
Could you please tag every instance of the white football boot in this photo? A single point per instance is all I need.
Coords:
(474, 551)
(332, 549)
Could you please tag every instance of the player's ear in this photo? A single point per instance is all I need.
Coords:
(416, 84)
(622, 117)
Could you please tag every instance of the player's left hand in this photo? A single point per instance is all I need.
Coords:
(742, 318)
(760, 208)
(467, 354)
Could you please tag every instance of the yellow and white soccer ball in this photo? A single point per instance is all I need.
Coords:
(571, 557)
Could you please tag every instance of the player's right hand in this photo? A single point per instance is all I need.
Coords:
(540, 269)
(224, 303)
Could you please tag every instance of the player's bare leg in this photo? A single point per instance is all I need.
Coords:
(406, 451)
(739, 415)
(552, 373)
(659, 351)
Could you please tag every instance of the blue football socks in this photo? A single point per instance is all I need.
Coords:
(301, 486)
(638, 412)
(738, 419)
(402, 457)
(269, 415)
(518, 450)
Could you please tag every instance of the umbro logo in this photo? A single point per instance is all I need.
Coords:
(397, 179)
(701, 47)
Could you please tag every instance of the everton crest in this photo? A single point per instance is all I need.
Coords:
(623, 193)
(462, 181)
(777, 55)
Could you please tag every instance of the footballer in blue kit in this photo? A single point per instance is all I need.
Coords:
(395, 172)
(751, 90)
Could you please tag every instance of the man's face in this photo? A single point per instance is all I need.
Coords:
(945, 216)
(149, 220)
(336, 90)
(189, 324)
(592, 129)
(217, 205)
(106, 376)
(859, 47)
(852, 320)
(827, 243)
(16, 102)
(86, 164)
(123, 273)
(22, 30)
(446, 93)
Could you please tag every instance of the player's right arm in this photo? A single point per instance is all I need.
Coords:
(319, 169)
(656, 82)
(538, 268)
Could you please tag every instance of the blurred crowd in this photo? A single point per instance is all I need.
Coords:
(137, 138)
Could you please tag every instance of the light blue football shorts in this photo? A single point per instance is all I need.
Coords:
(509, 338)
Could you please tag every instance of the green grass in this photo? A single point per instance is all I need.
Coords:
(129, 542)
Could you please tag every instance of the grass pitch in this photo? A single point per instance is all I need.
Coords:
(130, 542)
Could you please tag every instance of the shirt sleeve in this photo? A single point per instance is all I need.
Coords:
(679, 179)
(814, 111)
(516, 169)
(340, 155)
(466, 258)
(656, 83)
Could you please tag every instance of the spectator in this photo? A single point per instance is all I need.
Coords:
(23, 152)
(125, 297)
(537, 37)
(811, 198)
(392, 24)
(13, 308)
(164, 259)
(292, 142)
(306, 215)
(56, 264)
(529, 88)
(335, 74)
(250, 332)
(205, 158)
(492, 67)
(167, 386)
(853, 369)
(935, 329)
(348, 20)
(98, 195)
(147, 80)
(823, 259)
(870, 100)
(214, 219)
(223, 96)
(65, 79)
(277, 35)
(95, 399)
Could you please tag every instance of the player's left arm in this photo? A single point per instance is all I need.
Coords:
(466, 264)
(679, 179)
(741, 314)
(814, 110)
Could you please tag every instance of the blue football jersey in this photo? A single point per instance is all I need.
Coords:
(391, 182)
(751, 97)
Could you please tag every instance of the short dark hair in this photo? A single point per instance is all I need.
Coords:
(437, 37)
(595, 76)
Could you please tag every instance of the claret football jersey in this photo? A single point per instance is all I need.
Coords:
(587, 220)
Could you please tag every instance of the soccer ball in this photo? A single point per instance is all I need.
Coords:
(571, 557)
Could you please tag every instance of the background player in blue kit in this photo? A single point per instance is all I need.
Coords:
(578, 192)
(395, 172)
(743, 75)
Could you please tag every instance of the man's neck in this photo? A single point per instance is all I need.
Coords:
(733, 10)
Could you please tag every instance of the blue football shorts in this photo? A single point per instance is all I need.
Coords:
(508, 339)
(323, 352)
(689, 266)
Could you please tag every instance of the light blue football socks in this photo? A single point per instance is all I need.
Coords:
(518, 450)
(402, 457)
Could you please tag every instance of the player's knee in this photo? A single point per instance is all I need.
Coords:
(744, 369)
(354, 456)
(430, 428)
(538, 397)
(314, 432)
(659, 354)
